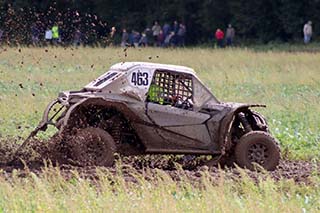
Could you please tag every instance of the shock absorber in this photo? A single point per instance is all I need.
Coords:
(244, 122)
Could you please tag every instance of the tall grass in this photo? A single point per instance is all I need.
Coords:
(51, 192)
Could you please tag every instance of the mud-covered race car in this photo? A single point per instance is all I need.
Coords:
(143, 108)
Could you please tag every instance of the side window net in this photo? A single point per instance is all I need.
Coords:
(170, 88)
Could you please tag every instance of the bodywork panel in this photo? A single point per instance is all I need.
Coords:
(166, 115)
(179, 128)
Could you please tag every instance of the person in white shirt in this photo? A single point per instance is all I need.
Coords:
(48, 36)
(307, 32)
(155, 32)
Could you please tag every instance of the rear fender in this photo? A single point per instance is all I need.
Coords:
(120, 106)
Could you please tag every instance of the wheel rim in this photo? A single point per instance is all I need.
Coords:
(258, 153)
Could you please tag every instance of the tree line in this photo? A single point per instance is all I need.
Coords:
(262, 21)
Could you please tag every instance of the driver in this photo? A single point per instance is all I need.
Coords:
(179, 102)
(155, 94)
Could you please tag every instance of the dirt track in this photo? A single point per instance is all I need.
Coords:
(299, 171)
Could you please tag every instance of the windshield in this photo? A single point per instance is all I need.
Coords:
(202, 94)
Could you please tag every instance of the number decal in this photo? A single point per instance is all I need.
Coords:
(140, 78)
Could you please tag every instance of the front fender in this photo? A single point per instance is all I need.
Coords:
(227, 122)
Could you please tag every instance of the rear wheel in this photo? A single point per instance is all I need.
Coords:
(92, 146)
(257, 147)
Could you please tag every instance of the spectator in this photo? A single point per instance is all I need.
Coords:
(230, 33)
(168, 39)
(136, 38)
(181, 35)
(143, 40)
(130, 38)
(48, 36)
(111, 36)
(155, 31)
(219, 36)
(149, 34)
(1, 34)
(124, 38)
(166, 29)
(307, 32)
(160, 39)
(55, 34)
(77, 38)
(175, 27)
(174, 39)
(35, 34)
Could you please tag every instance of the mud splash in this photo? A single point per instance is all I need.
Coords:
(33, 159)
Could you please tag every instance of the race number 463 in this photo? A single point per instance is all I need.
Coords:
(140, 78)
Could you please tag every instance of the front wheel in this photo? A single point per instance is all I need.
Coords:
(92, 146)
(257, 147)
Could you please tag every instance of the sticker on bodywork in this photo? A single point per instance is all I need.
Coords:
(140, 78)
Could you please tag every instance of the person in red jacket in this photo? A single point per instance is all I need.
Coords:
(219, 36)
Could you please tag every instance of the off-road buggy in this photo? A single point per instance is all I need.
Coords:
(144, 108)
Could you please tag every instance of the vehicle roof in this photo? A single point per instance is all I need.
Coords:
(125, 66)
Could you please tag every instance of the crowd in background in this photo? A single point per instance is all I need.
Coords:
(166, 35)
(158, 36)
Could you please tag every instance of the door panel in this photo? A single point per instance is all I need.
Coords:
(166, 115)
(180, 128)
(195, 132)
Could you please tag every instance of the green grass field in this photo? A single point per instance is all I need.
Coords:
(287, 82)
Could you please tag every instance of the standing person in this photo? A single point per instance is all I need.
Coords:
(77, 37)
(155, 31)
(160, 39)
(143, 40)
(111, 36)
(35, 34)
(149, 34)
(168, 39)
(166, 29)
(48, 36)
(136, 38)
(181, 34)
(230, 33)
(124, 38)
(130, 38)
(219, 36)
(1, 34)
(175, 28)
(307, 32)
(55, 34)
